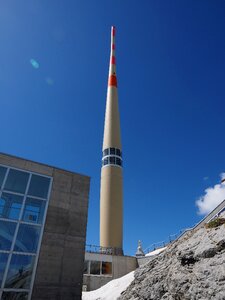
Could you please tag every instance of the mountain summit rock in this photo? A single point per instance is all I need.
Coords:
(192, 268)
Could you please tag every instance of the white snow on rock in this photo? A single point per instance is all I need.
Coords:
(155, 252)
(110, 291)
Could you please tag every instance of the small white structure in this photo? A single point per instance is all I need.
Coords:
(139, 251)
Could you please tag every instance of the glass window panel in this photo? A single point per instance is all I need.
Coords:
(2, 205)
(118, 161)
(14, 296)
(7, 230)
(112, 150)
(118, 152)
(105, 161)
(34, 210)
(20, 271)
(106, 268)
(10, 206)
(16, 181)
(95, 268)
(39, 186)
(27, 238)
(3, 261)
(112, 160)
(86, 267)
(2, 175)
(106, 152)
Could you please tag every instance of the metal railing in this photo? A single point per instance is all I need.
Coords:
(103, 250)
(174, 237)
(171, 238)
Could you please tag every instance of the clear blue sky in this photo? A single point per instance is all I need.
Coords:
(171, 71)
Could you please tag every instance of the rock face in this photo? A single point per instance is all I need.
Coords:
(190, 269)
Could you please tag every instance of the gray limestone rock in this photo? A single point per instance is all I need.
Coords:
(192, 268)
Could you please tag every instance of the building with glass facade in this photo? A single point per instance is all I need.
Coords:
(43, 216)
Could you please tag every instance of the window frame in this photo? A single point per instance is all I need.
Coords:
(112, 157)
(20, 221)
(100, 274)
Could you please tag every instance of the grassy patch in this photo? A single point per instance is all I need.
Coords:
(215, 223)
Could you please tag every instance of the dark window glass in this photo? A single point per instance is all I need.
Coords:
(118, 152)
(106, 152)
(27, 238)
(106, 268)
(2, 175)
(10, 206)
(112, 160)
(3, 261)
(105, 162)
(7, 230)
(95, 267)
(2, 205)
(86, 267)
(112, 150)
(118, 161)
(34, 210)
(14, 296)
(16, 181)
(39, 186)
(20, 271)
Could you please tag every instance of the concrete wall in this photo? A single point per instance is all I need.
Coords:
(93, 282)
(60, 265)
(121, 265)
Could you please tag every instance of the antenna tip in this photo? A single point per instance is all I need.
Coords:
(113, 30)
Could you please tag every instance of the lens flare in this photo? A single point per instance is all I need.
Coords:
(34, 63)
(49, 80)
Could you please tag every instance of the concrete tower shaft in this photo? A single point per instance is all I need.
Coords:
(111, 194)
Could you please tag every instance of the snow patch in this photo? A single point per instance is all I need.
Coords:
(156, 252)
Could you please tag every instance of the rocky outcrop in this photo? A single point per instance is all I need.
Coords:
(192, 268)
